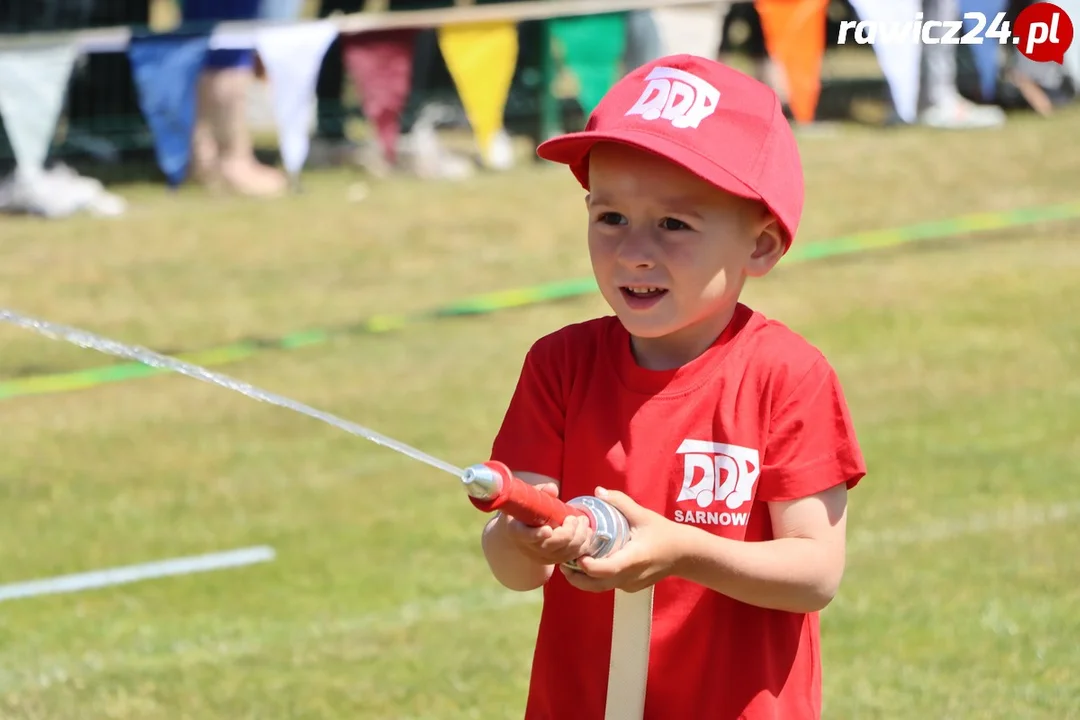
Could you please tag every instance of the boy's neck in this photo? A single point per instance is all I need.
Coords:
(683, 346)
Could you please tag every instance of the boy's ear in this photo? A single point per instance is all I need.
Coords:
(768, 249)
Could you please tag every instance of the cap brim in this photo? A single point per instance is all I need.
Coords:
(573, 149)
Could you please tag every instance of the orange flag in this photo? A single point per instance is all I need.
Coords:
(795, 38)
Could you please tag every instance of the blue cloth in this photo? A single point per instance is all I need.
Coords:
(984, 54)
(280, 9)
(166, 69)
(220, 9)
(209, 11)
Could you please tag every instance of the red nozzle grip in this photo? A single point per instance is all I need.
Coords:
(525, 502)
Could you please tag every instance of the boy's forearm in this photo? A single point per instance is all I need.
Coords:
(510, 567)
(789, 574)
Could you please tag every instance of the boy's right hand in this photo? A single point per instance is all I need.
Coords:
(550, 546)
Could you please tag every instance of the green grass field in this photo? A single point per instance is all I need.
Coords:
(959, 358)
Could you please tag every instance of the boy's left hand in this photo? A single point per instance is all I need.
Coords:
(648, 557)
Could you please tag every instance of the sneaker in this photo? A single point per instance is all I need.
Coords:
(962, 114)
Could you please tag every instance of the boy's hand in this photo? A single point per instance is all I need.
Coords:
(550, 546)
(648, 557)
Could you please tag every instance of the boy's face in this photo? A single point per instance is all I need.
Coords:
(671, 252)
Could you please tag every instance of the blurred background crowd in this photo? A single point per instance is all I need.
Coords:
(946, 86)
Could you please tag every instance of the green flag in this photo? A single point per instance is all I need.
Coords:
(592, 48)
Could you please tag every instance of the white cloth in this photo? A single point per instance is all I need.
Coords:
(694, 29)
(33, 85)
(293, 56)
(899, 61)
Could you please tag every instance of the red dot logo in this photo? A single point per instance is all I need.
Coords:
(1043, 33)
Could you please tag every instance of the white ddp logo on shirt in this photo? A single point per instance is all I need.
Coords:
(728, 473)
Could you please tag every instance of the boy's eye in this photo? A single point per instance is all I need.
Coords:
(612, 218)
(673, 224)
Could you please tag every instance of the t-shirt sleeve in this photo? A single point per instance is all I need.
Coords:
(530, 438)
(811, 445)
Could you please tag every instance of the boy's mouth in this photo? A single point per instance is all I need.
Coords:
(642, 296)
(642, 291)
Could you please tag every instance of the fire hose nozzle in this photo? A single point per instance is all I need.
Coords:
(481, 482)
(493, 487)
(611, 528)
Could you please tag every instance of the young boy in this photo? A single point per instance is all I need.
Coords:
(721, 435)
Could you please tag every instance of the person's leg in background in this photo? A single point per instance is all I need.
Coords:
(642, 39)
(1028, 78)
(330, 128)
(939, 61)
(942, 104)
(1042, 86)
(223, 154)
(1071, 65)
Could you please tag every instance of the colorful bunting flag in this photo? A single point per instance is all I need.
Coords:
(694, 29)
(592, 48)
(292, 56)
(166, 70)
(380, 64)
(33, 85)
(899, 61)
(481, 59)
(795, 38)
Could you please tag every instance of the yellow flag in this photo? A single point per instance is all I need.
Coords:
(481, 58)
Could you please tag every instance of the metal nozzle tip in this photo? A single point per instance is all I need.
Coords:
(481, 482)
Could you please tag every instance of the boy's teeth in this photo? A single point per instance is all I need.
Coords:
(643, 291)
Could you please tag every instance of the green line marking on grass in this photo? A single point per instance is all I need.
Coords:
(520, 297)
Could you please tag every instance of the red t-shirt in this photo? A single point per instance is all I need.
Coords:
(759, 417)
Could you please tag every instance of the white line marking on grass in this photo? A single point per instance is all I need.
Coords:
(225, 647)
(1019, 517)
(136, 573)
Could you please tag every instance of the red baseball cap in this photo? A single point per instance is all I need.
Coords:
(720, 124)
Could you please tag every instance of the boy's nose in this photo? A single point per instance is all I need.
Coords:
(636, 251)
